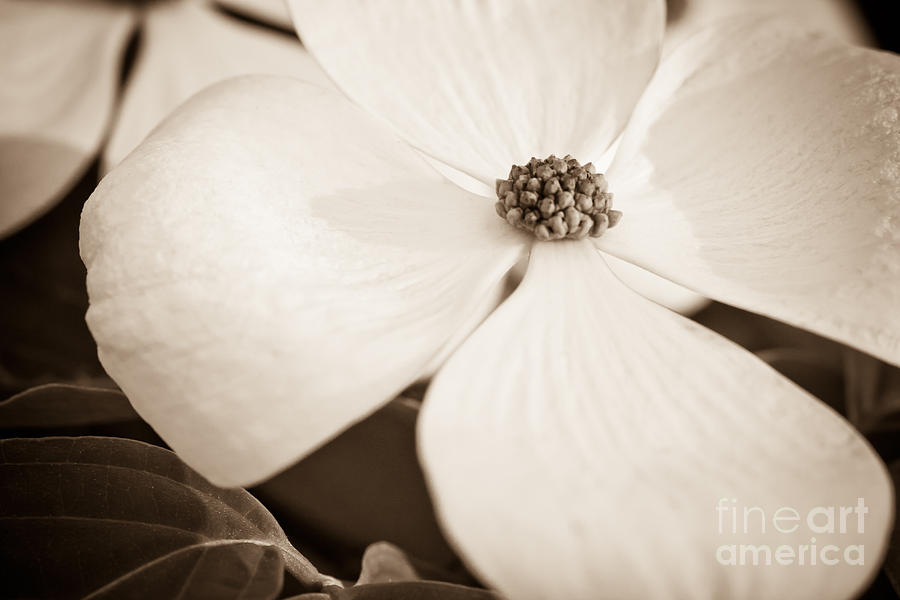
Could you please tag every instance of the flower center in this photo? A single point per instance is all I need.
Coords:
(556, 198)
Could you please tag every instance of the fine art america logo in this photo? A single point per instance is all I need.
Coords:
(754, 522)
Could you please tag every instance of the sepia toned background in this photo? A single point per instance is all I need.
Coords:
(106, 90)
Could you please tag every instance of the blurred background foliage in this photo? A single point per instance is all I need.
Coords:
(366, 486)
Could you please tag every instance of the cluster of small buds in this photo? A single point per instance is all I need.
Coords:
(556, 198)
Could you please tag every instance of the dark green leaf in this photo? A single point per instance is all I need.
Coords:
(221, 569)
(71, 410)
(63, 405)
(386, 563)
(407, 590)
(118, 517)
(379, 497)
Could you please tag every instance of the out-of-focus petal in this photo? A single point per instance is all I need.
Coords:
(762, 168)
(484, 85)
(270, 266)
(186, 47)
(60, 68)
(596, 433)
(273, 12)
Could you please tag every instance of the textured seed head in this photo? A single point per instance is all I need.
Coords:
(556, 198)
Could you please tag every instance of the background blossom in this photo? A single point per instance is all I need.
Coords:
(63, 97)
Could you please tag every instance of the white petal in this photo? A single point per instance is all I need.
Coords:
(662, 291)
(173, 66)
(481, 85)
(577, 445)
(59, 70)
(762, 169)
(274, 12)
(270, 265)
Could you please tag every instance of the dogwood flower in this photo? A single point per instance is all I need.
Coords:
(275, 262)
(61, 73)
